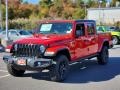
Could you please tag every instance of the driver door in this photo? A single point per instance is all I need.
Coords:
(80, 45)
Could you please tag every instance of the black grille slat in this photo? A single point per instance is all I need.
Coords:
(33, 48)
(18, 50)
(21, 53)
(36, 50)
(31, 51)
(27, 50)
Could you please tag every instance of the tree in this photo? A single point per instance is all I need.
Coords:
(113, 4)
(45, 3)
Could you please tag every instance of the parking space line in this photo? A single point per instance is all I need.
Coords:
(2, 68)
(4, 76)
(3, 71)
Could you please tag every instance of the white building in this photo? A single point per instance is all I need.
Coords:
(104, 15)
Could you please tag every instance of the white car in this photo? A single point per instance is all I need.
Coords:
(0, 30)
(15, 34)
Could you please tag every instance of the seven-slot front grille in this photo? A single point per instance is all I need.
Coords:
(26, 50)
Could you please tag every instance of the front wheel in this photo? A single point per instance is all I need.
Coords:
(103, 56)
(14, 71)
(59, 71)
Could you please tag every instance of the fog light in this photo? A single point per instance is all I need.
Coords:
(39, 63)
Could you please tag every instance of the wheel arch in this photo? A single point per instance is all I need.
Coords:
(105, 43)
(63, 52)
(115, 36)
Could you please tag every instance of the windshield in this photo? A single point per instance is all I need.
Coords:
(55, 28)
(24, 33)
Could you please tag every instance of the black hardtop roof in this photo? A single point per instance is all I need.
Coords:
(85, 21)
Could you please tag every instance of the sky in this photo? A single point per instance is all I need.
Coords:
(36, 1)
(32, 1)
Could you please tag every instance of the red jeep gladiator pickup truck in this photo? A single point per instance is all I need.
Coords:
(56, 45)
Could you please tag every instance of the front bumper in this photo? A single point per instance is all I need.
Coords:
(33, 63)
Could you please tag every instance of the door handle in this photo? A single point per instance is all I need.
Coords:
(92, 39)
(86, 40)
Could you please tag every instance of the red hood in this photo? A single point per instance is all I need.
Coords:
(44, 39)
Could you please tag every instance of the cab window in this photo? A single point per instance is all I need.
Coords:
(80, 30)
(90, 29)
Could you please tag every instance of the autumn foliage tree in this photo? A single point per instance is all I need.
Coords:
(17, 9)
(49, 9)
(65, 9)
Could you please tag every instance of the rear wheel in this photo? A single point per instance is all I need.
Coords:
(14, 71)
(103, 56)
(115, 40)
(59, 71)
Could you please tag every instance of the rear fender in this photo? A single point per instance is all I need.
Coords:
(105, 43)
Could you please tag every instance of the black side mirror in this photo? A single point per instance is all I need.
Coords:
(17, 34)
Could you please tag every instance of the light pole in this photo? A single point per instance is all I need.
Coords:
(6, 3)
(99, 1)
(85, 5)
(0, 15)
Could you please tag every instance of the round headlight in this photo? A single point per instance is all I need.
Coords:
(42, 48)
(15, 47)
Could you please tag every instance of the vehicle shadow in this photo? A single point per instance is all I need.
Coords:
(92, 72)
(85, 72)
(38, 75)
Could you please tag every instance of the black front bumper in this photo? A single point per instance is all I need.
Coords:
(30, 63)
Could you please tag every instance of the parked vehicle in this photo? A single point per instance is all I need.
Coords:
(31, 31)
(2, 49)
(115, 31)
(56, 46)
(0, 30)
(15, 34)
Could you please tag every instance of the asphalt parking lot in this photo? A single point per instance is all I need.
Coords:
(87, 75)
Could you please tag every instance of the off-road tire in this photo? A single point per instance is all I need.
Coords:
(14, 72)
(59, 71)
(103, 56)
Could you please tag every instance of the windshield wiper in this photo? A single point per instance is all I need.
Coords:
(41, 32)
(48, 33)
(54, 33)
